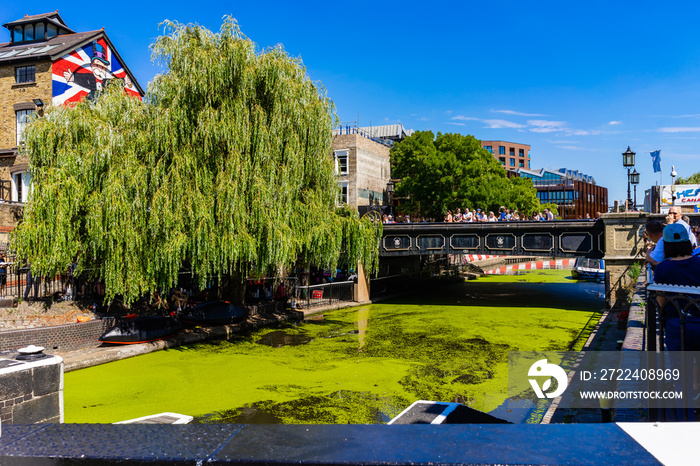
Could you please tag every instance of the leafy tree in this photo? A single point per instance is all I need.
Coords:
(223, 169)
(692, 179)
(452, 170)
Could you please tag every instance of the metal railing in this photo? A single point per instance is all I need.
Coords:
(18, 283)
(665, 303)
(325, 294)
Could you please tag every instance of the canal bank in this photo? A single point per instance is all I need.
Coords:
(358, 365)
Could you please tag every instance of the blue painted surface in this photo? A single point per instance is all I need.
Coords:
(580, 444)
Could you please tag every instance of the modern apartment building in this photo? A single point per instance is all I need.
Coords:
(574, 193)
(512, 155)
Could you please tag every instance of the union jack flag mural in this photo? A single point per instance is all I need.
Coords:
(85, 72)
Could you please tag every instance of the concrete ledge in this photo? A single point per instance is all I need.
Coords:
(634, 338)
(474, 444)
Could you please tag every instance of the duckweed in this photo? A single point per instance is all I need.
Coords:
(358, 365)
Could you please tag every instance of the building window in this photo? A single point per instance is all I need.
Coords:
(39, 31)
(512, 162)
(341, 162)
(23, 117)
(25, 74)
(502, 150)
(20, 186)
(521, 152)
(502, 160)
(343, 192)
(51, 31)
(512, 150)
(521, 163)
(489, 148)
(528, 164)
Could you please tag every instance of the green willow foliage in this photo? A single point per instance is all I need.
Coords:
(224, 169)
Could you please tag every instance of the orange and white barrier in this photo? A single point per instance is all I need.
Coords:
(536, 265)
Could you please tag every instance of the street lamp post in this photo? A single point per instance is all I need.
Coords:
(634, 179)
(628, 162)
(390, 193)
(673, 185)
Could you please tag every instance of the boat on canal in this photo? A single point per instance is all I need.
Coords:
(214, 313)
(588, 269)
(132, 329)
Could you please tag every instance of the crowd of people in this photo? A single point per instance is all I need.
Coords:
(479, 215)
(675, 258)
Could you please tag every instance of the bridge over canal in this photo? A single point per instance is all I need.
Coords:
(615, 237)
(562, 238)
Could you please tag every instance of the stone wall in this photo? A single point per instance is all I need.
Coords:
(624, 245)
(67, 337)
(31, 392)
(368, 169)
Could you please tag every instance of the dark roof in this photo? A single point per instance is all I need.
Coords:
(55, 48)
(52, 48)
(53, 17)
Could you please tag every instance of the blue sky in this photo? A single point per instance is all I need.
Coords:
(577, 81)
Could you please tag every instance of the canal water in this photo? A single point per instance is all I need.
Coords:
(358, 365)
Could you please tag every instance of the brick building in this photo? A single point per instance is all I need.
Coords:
(362, 166)
(362, 162)
(512, 155)
(47, 63)
(574, 193)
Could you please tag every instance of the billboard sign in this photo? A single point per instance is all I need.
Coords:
(687, 195)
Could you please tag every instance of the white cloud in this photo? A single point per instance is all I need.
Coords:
(456, 124)
(497, 124)
(513, 112)
(547, 124)
(614, 122)
(462, 117)
(679, 129)
(571, 147)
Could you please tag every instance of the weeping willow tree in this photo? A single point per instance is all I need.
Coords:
(224, 169)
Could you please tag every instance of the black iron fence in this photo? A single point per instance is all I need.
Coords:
(325, 294)
(20, 283)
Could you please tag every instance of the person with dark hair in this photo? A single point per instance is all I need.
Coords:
(654, 231)
(679, 268)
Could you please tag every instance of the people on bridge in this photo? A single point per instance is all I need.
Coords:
(448, 217)
(654, 231)
(457, 216)
(674, 217)
(680, 267)
(491, 217)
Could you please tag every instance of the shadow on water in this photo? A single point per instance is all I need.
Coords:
(576, 296)
(340, 407)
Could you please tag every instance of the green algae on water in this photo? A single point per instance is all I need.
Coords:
(358, 365)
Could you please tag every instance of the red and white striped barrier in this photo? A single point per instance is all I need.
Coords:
(537, 265)
(478, 257)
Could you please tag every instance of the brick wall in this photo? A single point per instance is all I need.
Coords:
(65, 337)
(12, 93)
